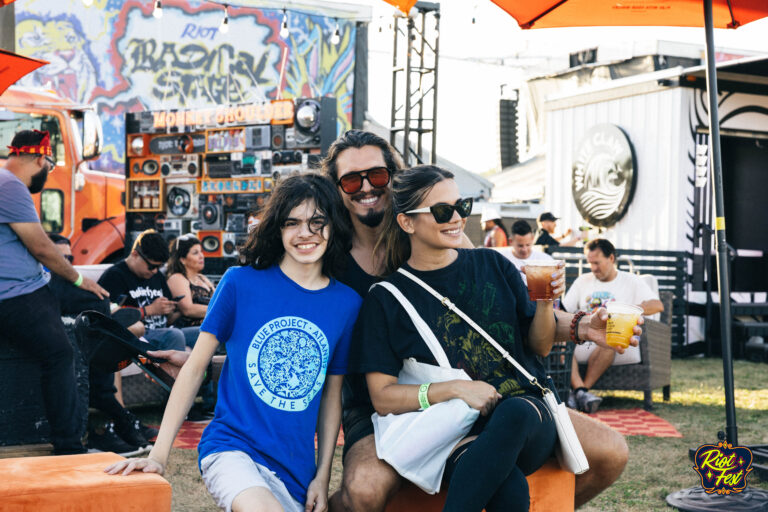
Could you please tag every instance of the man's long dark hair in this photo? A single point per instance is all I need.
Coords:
(265, 243)
(358, 139)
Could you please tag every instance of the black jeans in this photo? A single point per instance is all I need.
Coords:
(32, 323)
(489, 472)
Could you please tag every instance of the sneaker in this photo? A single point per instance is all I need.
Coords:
(571, 402)
(587, 402)
(109, 441)
(130, 432)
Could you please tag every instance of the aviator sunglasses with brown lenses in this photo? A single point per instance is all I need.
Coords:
(352, 183)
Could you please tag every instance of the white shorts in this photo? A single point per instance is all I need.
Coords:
(227, 474)
(583, 352)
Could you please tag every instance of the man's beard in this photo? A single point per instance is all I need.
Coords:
(38, 181)
(372, 219)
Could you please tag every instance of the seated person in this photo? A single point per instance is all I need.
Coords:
(515, 433)
(138, 277)
(594, 290)
(547, 224)
(123, 433)
(186, 279)
(522, 247)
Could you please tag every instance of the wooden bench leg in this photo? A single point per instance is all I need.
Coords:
(647, 400)
(665, 392)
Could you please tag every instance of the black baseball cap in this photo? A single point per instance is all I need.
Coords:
(547, 216)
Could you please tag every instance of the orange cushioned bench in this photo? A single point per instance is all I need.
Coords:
(551, 488)
(78, 483)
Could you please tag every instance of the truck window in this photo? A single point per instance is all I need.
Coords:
(12, 122)
(52, 210)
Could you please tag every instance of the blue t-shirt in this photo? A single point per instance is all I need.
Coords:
(20, 272)
(281, 340)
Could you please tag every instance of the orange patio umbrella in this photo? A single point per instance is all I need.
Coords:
(13, 67)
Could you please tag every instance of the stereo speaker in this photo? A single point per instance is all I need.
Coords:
(211, 243)
(180, 166)
(143, 167)
(212, 216)
(229, 245)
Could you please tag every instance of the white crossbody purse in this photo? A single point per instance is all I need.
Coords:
(418, 443)
(569, 453)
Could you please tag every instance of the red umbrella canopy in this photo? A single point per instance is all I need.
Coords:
(13, 67)
(6, 2)
(623, 13)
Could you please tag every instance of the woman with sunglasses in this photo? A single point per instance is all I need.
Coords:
(186, 280)
(515, 433)
(287, 327)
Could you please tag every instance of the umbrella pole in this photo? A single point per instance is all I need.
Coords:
(724, 288)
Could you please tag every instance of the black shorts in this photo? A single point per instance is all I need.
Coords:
(357, 424)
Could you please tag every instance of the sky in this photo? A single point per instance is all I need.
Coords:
(475, 59)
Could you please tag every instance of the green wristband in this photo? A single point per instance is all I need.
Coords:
(79, 280)
(423, 402)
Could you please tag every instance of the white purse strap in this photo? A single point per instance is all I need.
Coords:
(421, 325)
(445, 301)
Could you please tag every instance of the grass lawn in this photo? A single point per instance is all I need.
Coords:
(657, 466)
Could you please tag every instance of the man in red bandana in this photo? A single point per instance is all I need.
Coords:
(29, 313)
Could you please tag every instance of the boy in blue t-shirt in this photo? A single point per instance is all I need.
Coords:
(287, 325)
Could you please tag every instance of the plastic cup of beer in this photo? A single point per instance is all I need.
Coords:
(622, 318)
(539, 276)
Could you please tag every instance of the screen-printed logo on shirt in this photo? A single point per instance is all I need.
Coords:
(286, 362)
(598, 300)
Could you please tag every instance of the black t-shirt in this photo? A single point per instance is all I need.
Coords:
(487, 287)
(546, 239)
(119, 280)
(354, 392)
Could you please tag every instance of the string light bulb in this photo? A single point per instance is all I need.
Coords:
(224, 28)
(284, 33)
(336, 37)
(158, 11)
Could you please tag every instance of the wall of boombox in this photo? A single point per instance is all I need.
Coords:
(212, 180)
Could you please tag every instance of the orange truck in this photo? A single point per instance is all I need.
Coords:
(82, 204)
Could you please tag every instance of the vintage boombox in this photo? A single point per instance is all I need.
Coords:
(314, 124)
(258, 137)
(137, 145)
(229, 245)
(143, 167)
(283, 171)
(248, 163)
(177, 144)
(180, 166)
(182, 200)
(288, 156)
(172, 229)
(211, 216)
(211, 242)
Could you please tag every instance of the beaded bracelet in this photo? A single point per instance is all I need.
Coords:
(575, 327)
(423, 401)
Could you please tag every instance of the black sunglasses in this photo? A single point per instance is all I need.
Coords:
(352, 183)
(443, 212)
(69, 258)
(150, 266)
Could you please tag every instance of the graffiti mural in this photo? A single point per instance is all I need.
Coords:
(116, 55)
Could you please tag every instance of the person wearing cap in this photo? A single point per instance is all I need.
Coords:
(547, 223)
(495, 232)
(29, 312)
